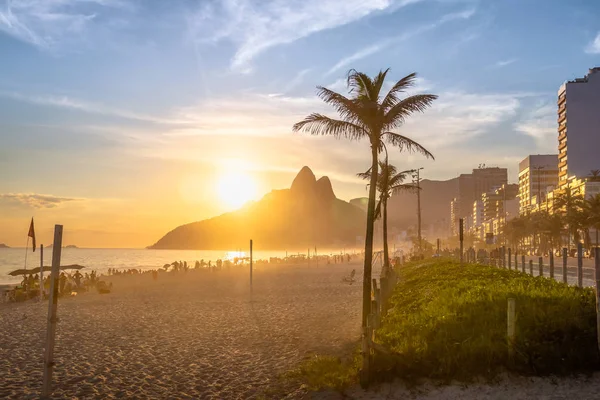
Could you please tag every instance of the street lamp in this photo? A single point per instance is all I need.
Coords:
(416, 174)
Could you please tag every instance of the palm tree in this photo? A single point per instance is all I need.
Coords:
(366, 114)
(592, 210)
(389, 181)
(572, 206)
(594, 175)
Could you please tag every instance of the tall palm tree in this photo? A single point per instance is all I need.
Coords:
(389, 181)
(572, 205)
(594, 175)
(366, 114)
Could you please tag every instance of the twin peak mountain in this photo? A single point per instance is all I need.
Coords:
(304, 216)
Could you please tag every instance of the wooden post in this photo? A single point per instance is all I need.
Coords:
(509, 259)
(531, 267)
(52, 307)
(579, 264)
(541, 266)
(365, 370)
(523, 263)
(564, 259)
(461, 239)
(250, 265)
(503, 255)
(41, 272)
(552, 264)
(597, 276)
(511, 329)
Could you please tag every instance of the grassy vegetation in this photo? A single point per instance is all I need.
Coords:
(449, 322)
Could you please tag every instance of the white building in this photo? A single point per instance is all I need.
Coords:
(538, 176)
(579, 127)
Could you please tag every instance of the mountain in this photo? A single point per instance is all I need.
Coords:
(306, 215)
(3, 246)
(435, 203)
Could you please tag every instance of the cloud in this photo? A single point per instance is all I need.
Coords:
(296, 80)
(504, 63)
(35, 200)
(540, 124)
(43, 23)
(258, 26)
(377, 47)
(594, 46)
(88, 107)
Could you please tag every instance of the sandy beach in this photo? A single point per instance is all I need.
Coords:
(190, 335)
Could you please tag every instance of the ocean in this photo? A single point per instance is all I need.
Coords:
(101, 260)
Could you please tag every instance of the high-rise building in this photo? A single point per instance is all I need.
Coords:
(472, 186)
(579, 127)
(538, 176)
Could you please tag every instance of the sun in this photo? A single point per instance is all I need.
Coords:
(235, 189)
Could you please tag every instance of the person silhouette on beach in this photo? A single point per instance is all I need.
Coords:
(62, 282)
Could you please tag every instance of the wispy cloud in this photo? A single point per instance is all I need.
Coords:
(45, 22)
(296, 80)
(88, 107)
(540, 124)
(35, 200)
(258, 26)
(594, 46)
(504, 63)
(377, 47)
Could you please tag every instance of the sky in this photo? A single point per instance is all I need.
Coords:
(122, 119)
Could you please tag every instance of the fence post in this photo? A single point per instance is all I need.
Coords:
(531, 267)
(509, 259)
(579, 264)
(511, 328)
(552, 264)
(365, 370)
(461, 227)
(541, 266)
(503, 252)
(250, 265)
(52, 307)
(564, 260)
(597, 277)
(523, 263)
(516, 261)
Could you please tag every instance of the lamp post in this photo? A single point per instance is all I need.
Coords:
(418, 177)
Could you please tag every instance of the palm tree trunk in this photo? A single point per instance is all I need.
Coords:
(386, 255)
(369, 238)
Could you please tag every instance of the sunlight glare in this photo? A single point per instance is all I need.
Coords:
(235, 189)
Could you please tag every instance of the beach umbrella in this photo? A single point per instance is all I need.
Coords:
(18, 272)
(48, 268)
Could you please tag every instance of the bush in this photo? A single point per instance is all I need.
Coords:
(448, 321)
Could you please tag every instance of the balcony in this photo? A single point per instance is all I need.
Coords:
(562, 145)
(561, 134)
(562, 164)
(562, 108)
(562, 117)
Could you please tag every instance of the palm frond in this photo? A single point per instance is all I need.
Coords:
(319, 124)
(397, 114)
(359, 84)
(404, 143)
(378, 82)
(391, 98)
(404, 186)
(348, 109)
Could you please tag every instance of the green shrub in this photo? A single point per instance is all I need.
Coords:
(448, 321)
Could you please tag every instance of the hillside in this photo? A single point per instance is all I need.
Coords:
(306, 215)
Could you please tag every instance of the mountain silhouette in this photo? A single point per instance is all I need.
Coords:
(306, 215)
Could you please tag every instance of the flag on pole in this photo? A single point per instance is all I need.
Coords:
(31, 234)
